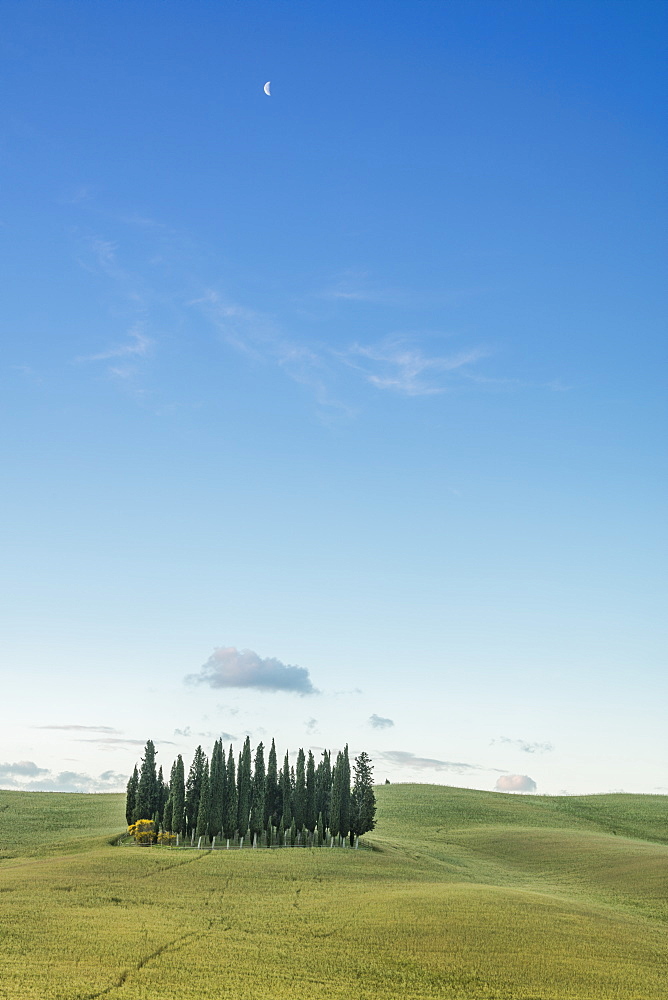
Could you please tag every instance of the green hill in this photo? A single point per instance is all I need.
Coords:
(469, 895)
(42, 823)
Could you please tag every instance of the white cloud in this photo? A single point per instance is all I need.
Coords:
(22, 769)
(230, 667)
(515, 783)
(378, 722)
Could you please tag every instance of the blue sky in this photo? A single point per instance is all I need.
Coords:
(361, 378)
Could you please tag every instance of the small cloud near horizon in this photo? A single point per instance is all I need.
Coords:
(378, 722)
(405, 759)
(515, 783)
(523, 745)
(242, 668)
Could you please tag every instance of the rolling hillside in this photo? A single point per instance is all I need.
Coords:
(471, 895)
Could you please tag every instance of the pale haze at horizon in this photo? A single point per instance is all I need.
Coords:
(361, 376)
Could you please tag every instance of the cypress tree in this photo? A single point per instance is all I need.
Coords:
(147, 790)
(163, 793)
(344, 807)
(167, 814)
(177, 786)
(335, 807)
(202, 828)
(230, 808)
(244, 788)
(217, 786)
(310, 816)
(299, 798)
(363, 799)
(323, 786)
(223, 784)
(257, 820)
(286, 793)
(194, 788)
(131, 798)
(272, 791)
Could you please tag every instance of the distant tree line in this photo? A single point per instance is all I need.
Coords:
(248, 797)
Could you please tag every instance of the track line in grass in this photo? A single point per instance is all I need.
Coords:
(177, 864)
(122, 979)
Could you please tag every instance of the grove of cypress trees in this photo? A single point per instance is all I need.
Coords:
(178, 794)
(257, 821)
(299, 798)
(253, 799)
(230, 806)
(131, 798)
(310, 814)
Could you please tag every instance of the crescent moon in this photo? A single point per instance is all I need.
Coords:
(267, 88)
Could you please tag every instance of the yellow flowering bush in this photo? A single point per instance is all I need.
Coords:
(143, 831)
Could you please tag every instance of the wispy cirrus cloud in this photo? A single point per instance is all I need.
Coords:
(243, 668)
(249, 330)
(524, 745)
(258, 335)
(402, 366)
(123, 357)
(166, 274)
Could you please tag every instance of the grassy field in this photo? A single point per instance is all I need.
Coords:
(494, 897)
